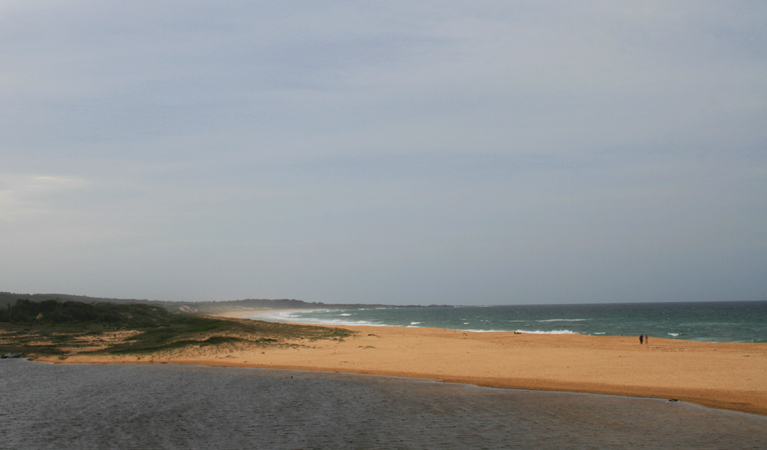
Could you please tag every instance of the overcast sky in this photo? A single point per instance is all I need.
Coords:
(452, 152)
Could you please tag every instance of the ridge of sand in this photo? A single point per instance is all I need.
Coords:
(721, 375)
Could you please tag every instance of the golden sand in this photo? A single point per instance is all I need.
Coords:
(721, 375)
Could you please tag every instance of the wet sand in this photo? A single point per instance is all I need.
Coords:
(720, 375)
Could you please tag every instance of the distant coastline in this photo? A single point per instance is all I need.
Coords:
(203, 307)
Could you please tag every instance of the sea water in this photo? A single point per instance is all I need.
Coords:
(158, 406)
(700, 321)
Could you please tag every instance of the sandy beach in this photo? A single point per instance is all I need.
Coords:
(720, 375)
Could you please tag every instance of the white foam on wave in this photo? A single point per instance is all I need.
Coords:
(673, 334)
(304, 317)
(278, 316)
(335, 322)
(562, 320)
(296, 317)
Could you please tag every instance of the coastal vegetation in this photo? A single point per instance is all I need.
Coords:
(203, 307)
(53, 327)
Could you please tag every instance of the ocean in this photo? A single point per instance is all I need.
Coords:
(167, 406)
(731, 321)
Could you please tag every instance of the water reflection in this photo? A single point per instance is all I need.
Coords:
(187, 407)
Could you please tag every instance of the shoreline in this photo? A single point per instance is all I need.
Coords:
(246, 313)
(731, 376)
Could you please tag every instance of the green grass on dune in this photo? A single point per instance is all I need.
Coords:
(52, 327)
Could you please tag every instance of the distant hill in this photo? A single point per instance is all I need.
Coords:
(207, 307)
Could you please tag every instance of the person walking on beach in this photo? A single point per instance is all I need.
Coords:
(647, 340)
(641, 339)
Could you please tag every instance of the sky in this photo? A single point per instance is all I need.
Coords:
(396, 152)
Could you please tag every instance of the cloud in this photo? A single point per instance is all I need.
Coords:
(346, 151)
(24, 195)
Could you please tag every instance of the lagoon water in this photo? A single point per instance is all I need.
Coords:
(49, 406)
(701, 321)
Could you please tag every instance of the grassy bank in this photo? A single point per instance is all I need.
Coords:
(59, 328)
